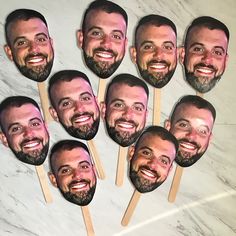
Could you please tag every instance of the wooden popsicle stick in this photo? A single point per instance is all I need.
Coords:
(87, 221)
(199, 94)
(96, 160)
(43, 94)
(101, 90)
(175, 183)
(121, 165)
(131, 207)
(43, 183)
(156, 106)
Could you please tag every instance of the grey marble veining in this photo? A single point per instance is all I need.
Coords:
(205, 203)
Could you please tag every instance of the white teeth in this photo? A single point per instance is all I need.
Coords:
(158, 66)
(203, 70)
(126, 125)
(79, 186)
(148, 173)
(105, 55)
(188, 146)
(35, 60)
(30, 145)
(82, 118)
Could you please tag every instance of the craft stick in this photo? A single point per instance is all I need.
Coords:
(96, 160)
(44, 101)
(156, 106)
(43, 183)
(175, 183)
(101, 90)
(121, 165)
(199, 94)
(87, 221)
(131, 207)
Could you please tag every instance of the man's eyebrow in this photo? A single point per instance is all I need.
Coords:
(146, 41)
(80, 163)
(116, 100)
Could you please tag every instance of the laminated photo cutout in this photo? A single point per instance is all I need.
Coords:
(191, 122)
(151, 158)
(102, 37)
(23, 129)
(74, 104)
(204, 54)
(72, 171)
(154, 51)
(125, 108)
(28, 44)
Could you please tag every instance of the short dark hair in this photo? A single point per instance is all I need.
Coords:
(208, 22)
(65, 75)
(127, 79)
(107, 6)
(66, 144)
(156, 20)
(16, 101)
(196, 101)
(161, 132)
(21, 14)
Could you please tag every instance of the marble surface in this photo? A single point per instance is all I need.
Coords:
(205, 204)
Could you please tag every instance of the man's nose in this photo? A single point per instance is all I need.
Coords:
(28, 132)
(207, 57)
(106, 41)
(34, 47)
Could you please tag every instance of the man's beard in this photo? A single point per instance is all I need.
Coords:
(38, 73)
(124, 139)
(101, 69)
(201, 84)
(141, 184)
(186, 159)
(157, 80)
(36, 159)
(85, 132)
(82, 198)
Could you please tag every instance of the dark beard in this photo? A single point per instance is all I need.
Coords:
(157, 81)
(101, 69)
(185, 161)
(141, 184)
(85, 132)
(33, 160)
(195, 83)
(39, 74)
(123, 140)
(83, 198)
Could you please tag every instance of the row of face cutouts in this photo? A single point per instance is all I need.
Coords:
(155, 52)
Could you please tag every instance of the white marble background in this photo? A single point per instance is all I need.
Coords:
(206, 202)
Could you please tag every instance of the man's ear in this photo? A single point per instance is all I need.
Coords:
(133, 54)
(3, 139)
(181, 53)
(8, 52)
(130, 152)
(52, 179)
(80, 38)
(53, 113)
(167, 125)
(103, 110)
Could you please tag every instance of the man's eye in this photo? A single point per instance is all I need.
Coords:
(218, 53)
(42, 40)
(116, 36)
(146, 153)
(65, 171)
(147, 47)
(36, 124)
(164, 161)
(138, 108)
(16, 129)
(168, 47)
(198, 49)
(21, 43)
(86, 98)
(66, 104)
(203, 132)
(96, 33)
(183, 125)
(118, 105)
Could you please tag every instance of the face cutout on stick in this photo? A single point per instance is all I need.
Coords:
(151, 158)
(125, 108)
(72, 171)
(103, 37)
(204, 55)
(29, 44)
(24, 130)
(74, 104)
(191, 123)
(155, 50)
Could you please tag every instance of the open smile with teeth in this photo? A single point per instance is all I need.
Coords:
(148, 174)
(187, 146)
(158, 66)
(106, 56)
(31, 145)
(81, 186)
(35, 60)
(82, 119)
(204, 70)
(125, 125)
